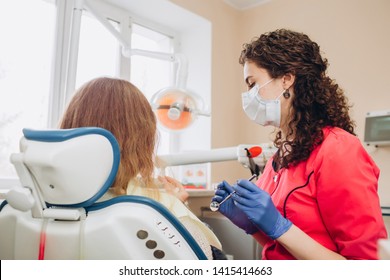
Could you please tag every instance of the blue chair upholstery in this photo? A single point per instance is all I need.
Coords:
(57, 213)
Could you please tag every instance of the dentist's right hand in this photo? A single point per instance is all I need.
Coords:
(231, 211)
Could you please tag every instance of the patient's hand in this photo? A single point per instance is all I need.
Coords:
(174, 187)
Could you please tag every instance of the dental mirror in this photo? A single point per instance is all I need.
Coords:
(214, 205)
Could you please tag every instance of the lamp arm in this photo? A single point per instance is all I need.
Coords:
(218, 155)
(195, 157)
(127, 52)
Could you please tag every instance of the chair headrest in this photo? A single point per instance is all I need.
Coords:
(71, 167)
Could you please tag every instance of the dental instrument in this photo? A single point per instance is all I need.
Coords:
(214, 205)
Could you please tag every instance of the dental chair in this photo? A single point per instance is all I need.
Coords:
(56, 214)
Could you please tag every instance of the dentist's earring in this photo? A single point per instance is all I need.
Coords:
(286, 94)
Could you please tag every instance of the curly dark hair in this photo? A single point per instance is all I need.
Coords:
(318, 100)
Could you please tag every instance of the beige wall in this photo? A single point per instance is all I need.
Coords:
(353, 34)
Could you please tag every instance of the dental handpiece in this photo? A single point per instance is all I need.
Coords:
(214, 206)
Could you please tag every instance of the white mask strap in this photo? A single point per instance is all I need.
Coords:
(280, 95)
(263, 85)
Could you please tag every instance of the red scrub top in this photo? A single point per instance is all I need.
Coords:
(332, 197)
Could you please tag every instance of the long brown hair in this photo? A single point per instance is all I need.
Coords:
(120, 107)
(318, 101)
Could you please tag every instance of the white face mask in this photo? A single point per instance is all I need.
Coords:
(261, 111)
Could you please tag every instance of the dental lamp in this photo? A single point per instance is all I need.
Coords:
(176, 109)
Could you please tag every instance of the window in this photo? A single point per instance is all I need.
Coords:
(27, 36)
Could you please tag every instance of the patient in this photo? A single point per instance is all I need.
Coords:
(120, 107)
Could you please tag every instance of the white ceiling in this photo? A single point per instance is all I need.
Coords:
(245, 4)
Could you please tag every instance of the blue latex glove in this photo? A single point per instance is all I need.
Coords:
(230, 210)
(258, 206)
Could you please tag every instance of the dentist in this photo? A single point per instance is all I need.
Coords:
(317, 197)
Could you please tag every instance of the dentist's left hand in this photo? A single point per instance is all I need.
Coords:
(258, 206)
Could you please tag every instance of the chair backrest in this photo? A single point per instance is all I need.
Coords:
(56, 213)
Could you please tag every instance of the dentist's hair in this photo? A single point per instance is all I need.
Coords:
(318, 101)
(120, 107)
